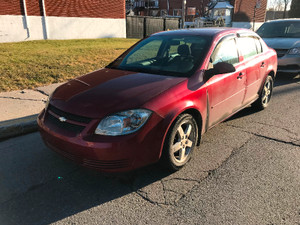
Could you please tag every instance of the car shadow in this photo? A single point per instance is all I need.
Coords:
(244, 112)
(285, 78)
(71, 193)
(279, 89)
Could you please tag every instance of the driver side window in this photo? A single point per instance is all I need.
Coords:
(225, 51)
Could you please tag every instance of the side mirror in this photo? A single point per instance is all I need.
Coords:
(219, 68)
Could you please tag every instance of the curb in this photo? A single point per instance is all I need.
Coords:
(16, 127)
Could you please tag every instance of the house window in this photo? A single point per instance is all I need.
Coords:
(151, 4)
(176, 12)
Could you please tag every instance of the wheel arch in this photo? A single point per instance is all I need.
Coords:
(272, 74)
(196, 115)
(198, 118)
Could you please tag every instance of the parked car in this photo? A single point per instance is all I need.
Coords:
(158, 98)
(284, 36)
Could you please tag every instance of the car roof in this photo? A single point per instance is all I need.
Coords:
(211, 31)
(283, 20)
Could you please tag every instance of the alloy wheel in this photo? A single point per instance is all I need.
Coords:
(183, 142)
(267, 92)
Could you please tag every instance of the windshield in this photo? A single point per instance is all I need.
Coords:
(287, 29)
(164, 54)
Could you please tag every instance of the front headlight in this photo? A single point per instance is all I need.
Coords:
(123, 122)
(294, 51)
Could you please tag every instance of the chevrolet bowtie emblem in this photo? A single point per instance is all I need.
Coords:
(62, 119)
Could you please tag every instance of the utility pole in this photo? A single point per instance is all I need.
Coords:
(183, 13)
(257, 6)
(168, 7)
(254, 18)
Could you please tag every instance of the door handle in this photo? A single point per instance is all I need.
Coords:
(262, 65)
(240, 76)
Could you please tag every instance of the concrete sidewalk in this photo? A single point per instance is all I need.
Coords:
(19, 110)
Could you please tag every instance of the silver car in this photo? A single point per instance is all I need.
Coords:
(283, 36)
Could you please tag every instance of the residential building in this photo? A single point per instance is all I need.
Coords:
(242, 15)
(61, 19)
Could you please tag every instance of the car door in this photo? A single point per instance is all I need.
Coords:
(226, 91)
(254, 64)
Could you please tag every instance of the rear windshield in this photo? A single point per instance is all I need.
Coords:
(288, 29)
(165, 54)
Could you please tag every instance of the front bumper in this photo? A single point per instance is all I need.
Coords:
(289, 64)
(106, 153)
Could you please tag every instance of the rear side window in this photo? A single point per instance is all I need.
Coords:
(225, 51)
(247, 46)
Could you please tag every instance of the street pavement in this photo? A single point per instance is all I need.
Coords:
(246, 171)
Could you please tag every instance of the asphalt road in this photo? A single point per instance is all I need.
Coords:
(246, 171)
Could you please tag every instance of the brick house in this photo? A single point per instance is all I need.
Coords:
(61, 19)
(243, 12)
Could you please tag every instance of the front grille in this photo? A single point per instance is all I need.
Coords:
(53, 122)
(71, 126)
(69, 116)
(281, 52)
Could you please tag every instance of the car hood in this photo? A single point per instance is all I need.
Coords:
(282, 43)
(107, 91)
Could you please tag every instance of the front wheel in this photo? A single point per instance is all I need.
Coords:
(180, 142)
(264, 99)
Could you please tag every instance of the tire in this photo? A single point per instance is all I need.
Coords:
(180, 142)
(265, 96)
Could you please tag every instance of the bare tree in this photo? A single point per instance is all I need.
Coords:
(286, 2)
(280, 5)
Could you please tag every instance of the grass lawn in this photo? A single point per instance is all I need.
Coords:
(26, 65)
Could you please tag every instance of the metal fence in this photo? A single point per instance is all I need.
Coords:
(142, 26)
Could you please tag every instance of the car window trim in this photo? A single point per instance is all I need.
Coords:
(261, 48)
(227, 37)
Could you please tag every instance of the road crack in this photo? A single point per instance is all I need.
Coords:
(164, 191)
(282, 128)
(144, 195)
(182, 179)
(266, 137)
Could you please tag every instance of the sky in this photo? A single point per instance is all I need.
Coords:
(271, 2)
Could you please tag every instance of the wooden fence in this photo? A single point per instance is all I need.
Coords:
(142, 26)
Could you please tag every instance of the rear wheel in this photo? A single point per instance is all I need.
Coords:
(264, 99)
(180, 142)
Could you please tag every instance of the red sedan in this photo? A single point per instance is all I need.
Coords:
(156, 100)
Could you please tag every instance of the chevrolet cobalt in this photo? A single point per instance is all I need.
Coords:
(156, 100)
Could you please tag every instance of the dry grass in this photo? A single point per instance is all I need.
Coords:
(26, 65)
